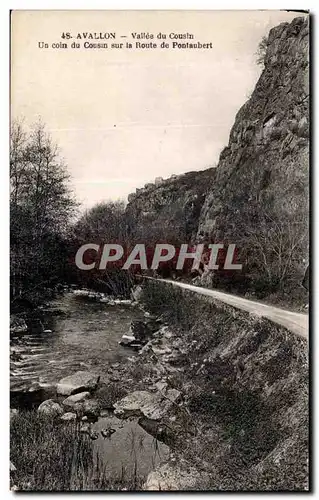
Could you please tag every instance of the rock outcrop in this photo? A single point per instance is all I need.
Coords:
(78, 382)
(170, 211)
(266, 160)
(260, 185)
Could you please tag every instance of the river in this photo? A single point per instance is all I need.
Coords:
(86, 337)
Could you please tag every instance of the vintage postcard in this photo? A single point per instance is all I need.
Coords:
(159, 253)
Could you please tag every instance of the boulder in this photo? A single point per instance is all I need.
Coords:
(50, 408)
(18, 325)
(136, 293)
(159, 430)
(86, 407)
(139, 333)
(131, 405)
(174, 396)
(127, 340)
(147, 404)
(71, 401)
(91, 408)
(78, 382)
(68, 417)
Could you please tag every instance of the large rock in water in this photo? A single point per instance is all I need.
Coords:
(81, 404)
(71, 402)
(147, 404)
(128, 340)
(68, 417)
(78, 382)
(139, 333)
(50, 408)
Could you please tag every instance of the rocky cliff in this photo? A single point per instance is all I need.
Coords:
(266, 160)
(169, 210)
(257, 197)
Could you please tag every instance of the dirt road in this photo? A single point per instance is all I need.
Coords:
(295, 322)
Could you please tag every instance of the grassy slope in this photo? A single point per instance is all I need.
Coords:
(245, 382)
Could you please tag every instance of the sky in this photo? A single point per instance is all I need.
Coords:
(123, 117)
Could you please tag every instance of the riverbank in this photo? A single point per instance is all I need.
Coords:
(82, 341)
(242, 421)
(51, 456)
(223, 393)
(71, 333)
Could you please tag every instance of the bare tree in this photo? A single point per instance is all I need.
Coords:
(278, 246)
(41, 206)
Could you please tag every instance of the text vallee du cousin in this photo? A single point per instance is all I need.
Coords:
(135, 40)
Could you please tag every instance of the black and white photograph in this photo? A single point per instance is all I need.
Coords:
(159, 250)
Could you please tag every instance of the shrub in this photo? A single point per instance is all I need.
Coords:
(261, 51)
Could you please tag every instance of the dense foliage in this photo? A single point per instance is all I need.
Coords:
(41, 210)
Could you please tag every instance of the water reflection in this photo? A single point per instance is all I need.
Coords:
(86, 337)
